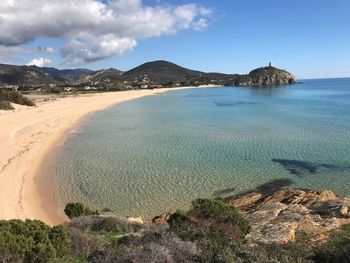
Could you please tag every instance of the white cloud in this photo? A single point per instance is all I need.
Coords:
(39, 62)
(200, 25)
(90, 49)
(94, 29)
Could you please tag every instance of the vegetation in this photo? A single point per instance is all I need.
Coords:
(77, 209)
(32, 241)
(15, 97)
(221, 213)
(211, 231)
(5, 105)
(337, 249)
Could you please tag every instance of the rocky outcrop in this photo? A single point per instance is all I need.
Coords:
(161, 219)
(266, 76)
(280, 216)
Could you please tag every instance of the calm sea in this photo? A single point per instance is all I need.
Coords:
(151, 155)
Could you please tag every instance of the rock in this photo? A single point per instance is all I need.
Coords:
(278, 217)
(309, 199)
(246, 201)
(266, 76)
(138, 220)
(274, 233)
(161, 219)
(344, 210)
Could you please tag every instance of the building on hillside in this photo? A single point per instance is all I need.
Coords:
(68, 89)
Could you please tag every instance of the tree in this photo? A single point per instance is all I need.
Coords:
(78, 209)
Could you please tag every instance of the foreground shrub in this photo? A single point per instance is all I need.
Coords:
(15, 97)
(337, 249)
(179, 218)
(32, 241)
(114, 225)
(5, 105)
(221, 213)
(82, 244)
(158, 246)
(184, 227)
(77, 209)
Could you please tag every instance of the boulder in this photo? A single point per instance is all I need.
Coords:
(279, 216)
(161, 219)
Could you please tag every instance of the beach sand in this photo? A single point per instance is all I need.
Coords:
(27, 136)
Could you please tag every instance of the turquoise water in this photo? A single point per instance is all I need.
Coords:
(147, 156)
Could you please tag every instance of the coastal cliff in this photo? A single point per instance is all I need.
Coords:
(265, 77)
(279, 217)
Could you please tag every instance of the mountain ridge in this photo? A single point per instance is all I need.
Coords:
(150, 74)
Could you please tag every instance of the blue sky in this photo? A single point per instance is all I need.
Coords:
(308, 38)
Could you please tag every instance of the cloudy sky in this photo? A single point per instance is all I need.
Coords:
(311, 40)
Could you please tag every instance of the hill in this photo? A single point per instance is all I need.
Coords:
(151, 74)
(33, 75)
(25, 75)
(162, 71)
(270, 75)
(64, 74)
(110, 75)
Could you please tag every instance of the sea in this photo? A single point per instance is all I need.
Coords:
(158, 153)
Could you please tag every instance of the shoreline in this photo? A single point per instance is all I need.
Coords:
(29, 138)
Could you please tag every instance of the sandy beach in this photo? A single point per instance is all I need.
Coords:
(27, 136)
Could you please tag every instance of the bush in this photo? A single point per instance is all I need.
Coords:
(221, 213)
(5, 105)
(184, 227)
(78, 209)
(15, 97)
(55, 90)
(156, 247)
(82, 244)
(115, 225)
(178, 218)
(31, 241)
(337, 249)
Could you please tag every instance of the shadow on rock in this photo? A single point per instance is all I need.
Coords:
(264, 189)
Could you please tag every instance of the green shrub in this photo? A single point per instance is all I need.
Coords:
(337, 249)
(59, 239)
(114, 225)
(55, 90)
(15, 97)
(78, 209)
(32, 241)
(221, 213)
(183, 227)
(178, 218)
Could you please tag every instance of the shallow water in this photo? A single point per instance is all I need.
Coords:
(147, 156)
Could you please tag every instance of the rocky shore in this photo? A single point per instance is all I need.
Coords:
(283, 215)
(279, 217)
(266, 77)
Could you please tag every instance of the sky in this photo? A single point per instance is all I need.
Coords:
(309, 38)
